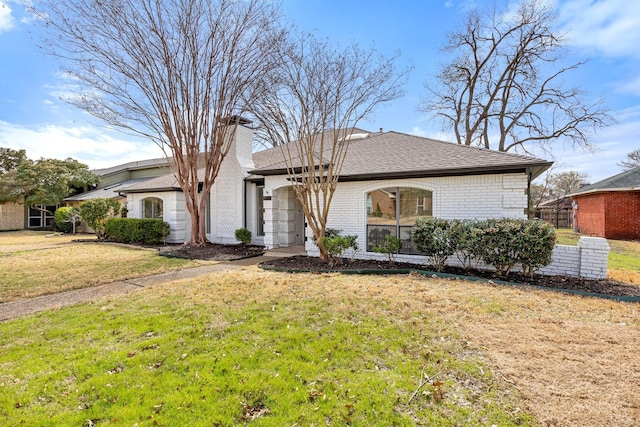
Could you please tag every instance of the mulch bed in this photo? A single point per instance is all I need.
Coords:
(212, 251)
(313, 264)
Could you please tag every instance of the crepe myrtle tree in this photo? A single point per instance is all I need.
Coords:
(320, 94)
(503, 83)
(178, 72)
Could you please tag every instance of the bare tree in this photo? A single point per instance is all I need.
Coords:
(504, 82)
(541, 190)
(320, 96)
(631, 161)
(563, 183)
(179, 72)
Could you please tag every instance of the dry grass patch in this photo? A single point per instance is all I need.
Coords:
(15, 241)
(34, 272)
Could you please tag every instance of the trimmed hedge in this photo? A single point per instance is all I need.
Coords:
(500, 243)
(137, 230)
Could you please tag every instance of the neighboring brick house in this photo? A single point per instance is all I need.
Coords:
(610, 208)
(406, 176)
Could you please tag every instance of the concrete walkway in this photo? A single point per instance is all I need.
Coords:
(23, 307)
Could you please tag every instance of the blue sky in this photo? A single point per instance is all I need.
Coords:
(607, 32)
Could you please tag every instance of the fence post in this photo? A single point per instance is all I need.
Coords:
(594, 257)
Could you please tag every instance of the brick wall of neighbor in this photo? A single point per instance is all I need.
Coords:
(622, 215)
(11, 216)
(591, 214)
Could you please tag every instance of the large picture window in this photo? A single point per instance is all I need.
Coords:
(41, 216)
(152, 207)
(393, 211)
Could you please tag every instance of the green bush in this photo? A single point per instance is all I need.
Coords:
(464, 241)
(137, 230)
(503, 243)
(432, 237)
(243, 236)
(67, 219)
(500, 243)
(390, 248)
(95, 213)
(537, 242)
(335, 244)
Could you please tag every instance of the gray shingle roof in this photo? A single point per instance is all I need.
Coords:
(387, 155)
(394, 154)
(108, 192)
(625, 181)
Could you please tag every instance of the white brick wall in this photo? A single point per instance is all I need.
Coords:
(463, 197)
(174, 212)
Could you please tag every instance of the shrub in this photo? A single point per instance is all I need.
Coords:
(95, 213)
(464, 241)
(67, 219)
(243, 236)
(432, 237)
(505, 242)
(335, 244)
(390, 247)
(537, 242)
(137, 230)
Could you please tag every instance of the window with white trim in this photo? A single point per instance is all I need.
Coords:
(152, 207)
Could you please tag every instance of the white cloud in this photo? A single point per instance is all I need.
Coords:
(6, 20)
(611, 27)
(87, 144)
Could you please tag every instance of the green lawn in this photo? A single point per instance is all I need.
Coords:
(269, 350)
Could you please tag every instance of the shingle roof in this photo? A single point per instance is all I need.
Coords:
(394, 154)
(108, 192)
(625, 181)
(166, 182)
(387, 155)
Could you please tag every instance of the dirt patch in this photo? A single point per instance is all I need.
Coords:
(314, 264)
(569, 372)
(211, 251)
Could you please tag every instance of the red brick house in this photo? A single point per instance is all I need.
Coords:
(609, 208)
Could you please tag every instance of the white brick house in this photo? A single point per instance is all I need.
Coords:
(388, 180)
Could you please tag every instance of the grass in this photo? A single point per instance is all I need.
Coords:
(260, 349)
(624, 257)
(32, 264)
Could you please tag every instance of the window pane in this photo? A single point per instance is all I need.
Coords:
(414, 203)
(383, 207)
(152, 208)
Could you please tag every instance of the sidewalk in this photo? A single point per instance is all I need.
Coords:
(13, 309)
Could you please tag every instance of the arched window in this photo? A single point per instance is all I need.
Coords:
(393, 211)
(152, 207)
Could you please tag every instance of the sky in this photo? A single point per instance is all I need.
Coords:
(604, 32)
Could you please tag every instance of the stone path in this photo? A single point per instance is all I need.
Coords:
(23, 307)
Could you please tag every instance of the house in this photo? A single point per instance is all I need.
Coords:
(609, 208)
(388, 180)
(115, 178)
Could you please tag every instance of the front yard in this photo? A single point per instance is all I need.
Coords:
(32, 264)
(254, 347)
